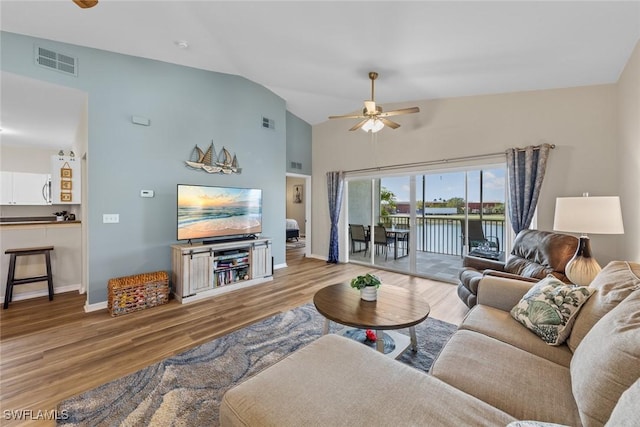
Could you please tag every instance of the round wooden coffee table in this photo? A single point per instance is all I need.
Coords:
(395, 308)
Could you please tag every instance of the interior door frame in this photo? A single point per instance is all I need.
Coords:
(307, 210)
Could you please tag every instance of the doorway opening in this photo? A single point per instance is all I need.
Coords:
(298, 215)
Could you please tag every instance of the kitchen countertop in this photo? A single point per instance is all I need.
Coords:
(5, 223)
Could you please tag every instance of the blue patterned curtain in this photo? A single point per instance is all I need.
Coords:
(526, 169)
(335, 184)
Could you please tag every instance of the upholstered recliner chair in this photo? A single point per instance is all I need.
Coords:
(535, 255)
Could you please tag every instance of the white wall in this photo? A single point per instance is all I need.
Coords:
(581, 122)
(629, 154)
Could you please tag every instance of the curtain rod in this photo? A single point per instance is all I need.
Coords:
(440, 161)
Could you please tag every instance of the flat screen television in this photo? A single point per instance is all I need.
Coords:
(206, 212)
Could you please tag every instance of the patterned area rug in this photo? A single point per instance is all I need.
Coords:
(187, 389)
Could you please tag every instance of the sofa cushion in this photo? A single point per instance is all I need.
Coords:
(613, 284)
(550, 307)
(607, 361)
(335, 381)
(625, 413)
(521, 384)
(500, 325)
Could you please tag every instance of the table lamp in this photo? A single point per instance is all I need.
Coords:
(595, 215)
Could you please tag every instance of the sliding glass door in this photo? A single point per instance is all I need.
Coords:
(424, 223)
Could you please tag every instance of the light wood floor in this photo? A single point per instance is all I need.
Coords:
(50, 351)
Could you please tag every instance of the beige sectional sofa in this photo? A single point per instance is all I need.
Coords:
(492, 372)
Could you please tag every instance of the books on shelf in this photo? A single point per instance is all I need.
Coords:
(232, 275)
(232, 263)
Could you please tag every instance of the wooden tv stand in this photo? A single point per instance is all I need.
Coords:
(202, 270)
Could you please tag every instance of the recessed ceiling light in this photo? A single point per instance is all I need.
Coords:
(182, 44)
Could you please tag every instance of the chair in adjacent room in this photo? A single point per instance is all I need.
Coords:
(13, 281)
(382, 240)
(477, 238)
(358, 235)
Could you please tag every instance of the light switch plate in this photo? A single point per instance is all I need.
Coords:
(110, 218)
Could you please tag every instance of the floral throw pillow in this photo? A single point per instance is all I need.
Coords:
(550, 307)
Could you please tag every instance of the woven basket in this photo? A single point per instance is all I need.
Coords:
(133, 293)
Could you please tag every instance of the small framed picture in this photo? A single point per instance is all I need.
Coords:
(65, 197)
(66, 172)
(297, 194)
(66, 185)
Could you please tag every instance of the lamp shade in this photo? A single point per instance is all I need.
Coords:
(588, 215)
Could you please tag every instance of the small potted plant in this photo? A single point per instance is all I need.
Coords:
(367, 285)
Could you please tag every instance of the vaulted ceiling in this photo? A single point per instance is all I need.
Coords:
(316, 54)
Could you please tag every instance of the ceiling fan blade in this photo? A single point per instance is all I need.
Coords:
(387, 122)
(359, 124)
(348, 116)
(370, 107)
(85, 4)
(400, 111)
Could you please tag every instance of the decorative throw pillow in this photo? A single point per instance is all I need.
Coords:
(550, 307)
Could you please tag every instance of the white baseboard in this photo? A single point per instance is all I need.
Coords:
(95, 307)
(43, 292)
(279, 266)
(324, 258)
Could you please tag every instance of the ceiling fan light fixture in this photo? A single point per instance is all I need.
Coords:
(373, 119)
(86, 4)
(372, 125)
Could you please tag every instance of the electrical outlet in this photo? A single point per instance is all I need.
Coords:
(110, 218)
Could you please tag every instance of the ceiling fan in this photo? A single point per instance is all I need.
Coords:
(373, 118)
(86, 3)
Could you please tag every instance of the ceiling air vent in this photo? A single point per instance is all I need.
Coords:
(47, 58)
(268, 123)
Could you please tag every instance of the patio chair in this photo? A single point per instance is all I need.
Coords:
(358, 235)
(381, 240)
(477, 239)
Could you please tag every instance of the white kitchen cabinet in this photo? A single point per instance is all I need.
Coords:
(22, 188)
(65, 180)
(6, 188)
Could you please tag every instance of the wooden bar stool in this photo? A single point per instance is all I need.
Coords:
(11, 280)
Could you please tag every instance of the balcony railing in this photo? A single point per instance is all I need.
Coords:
(444, 234)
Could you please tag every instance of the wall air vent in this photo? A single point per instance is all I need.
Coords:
(47, 58)
(296, 165)
(268, 123)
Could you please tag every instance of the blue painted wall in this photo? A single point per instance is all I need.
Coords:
(186, 106)
(298, 144)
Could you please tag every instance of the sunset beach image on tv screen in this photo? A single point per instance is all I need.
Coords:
(218, 211)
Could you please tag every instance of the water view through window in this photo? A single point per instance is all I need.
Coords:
(433, 220)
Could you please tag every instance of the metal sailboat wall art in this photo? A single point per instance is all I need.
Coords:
(224, 162)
